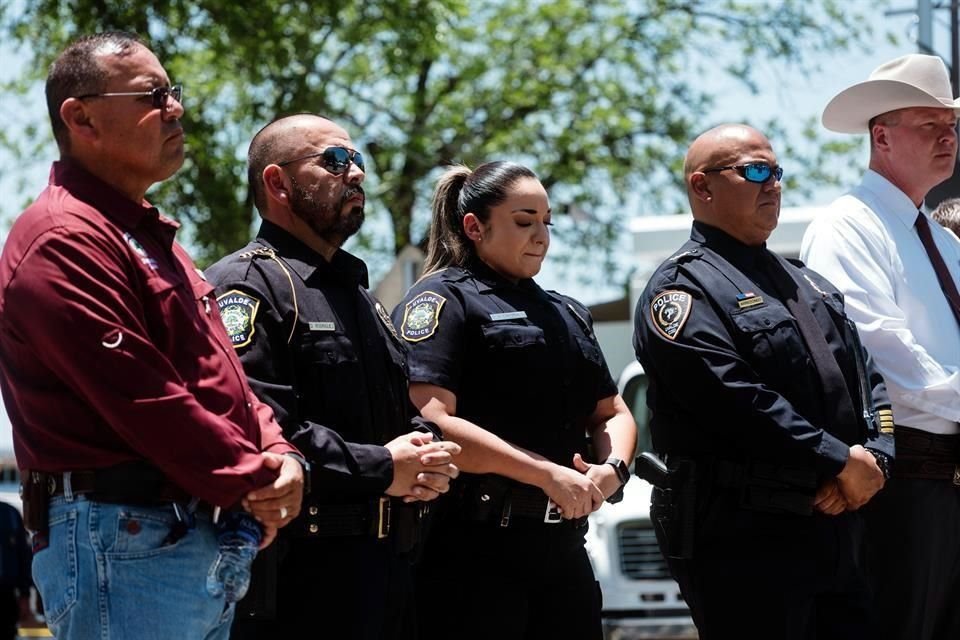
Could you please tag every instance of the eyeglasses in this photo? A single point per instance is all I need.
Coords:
(336, 160)
(160, 96)
(758, 172)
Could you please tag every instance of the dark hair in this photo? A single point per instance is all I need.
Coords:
(78, 71)
(459, 192)
(263, 151)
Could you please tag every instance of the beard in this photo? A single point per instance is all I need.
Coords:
(332, 222)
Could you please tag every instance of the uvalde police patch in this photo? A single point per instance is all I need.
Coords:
(238, 311)
(421, 316)
(670, 311)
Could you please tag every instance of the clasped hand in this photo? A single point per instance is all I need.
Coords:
(422, 468)
(859, 481)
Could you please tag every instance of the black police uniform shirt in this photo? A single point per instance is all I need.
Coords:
(523, 362)
(730, 374)
(322, 353)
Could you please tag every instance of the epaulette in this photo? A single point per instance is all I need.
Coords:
(270, 254)
(263, 252)
(683, 256)
(453, 274)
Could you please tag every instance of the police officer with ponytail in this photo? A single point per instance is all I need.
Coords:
(515, 375)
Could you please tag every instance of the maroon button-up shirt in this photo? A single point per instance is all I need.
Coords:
(112, 348)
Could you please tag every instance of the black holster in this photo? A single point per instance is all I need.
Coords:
(673, 510)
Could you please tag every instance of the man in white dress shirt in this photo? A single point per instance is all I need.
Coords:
(898, 270)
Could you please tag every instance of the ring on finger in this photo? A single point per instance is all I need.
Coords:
(283, 513)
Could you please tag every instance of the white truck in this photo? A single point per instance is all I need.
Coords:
(640, 599)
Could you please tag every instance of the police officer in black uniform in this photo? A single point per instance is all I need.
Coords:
(324, 355)
(774, 423)
(515, 375)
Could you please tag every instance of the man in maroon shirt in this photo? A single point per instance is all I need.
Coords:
(132, 418)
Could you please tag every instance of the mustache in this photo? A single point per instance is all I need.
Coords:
(353, 191)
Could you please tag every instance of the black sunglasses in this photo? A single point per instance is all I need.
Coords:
(160, 96)
(758, 172)
(336, 160)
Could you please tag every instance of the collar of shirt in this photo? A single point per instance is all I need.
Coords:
(87, 187)
(742, 256)
(489, 280)
(894, 203)
(344, 267)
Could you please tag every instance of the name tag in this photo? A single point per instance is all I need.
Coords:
(322, 326)
(513, 315)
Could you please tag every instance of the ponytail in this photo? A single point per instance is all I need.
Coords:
(447, 244)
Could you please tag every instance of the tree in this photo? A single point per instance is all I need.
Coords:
(600, 97)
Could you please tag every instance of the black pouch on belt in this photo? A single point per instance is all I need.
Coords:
(36, 501)
(482, 498)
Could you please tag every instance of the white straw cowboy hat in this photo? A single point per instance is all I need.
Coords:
(914, 80)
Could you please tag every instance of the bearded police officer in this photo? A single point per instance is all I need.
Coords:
(323, 353)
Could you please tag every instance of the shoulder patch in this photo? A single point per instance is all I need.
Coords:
(421, 316)
(238, 310)
(669, 312)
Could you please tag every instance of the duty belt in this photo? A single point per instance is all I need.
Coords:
(768, 487)
(498, 500)
(376, 518)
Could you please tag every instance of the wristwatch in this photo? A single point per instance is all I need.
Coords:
(883, 461)
(623, 474)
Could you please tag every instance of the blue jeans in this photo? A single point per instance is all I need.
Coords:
(106, 574)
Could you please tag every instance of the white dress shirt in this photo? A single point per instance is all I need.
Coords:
(866, 244)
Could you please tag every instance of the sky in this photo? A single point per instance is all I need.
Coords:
(795, 100)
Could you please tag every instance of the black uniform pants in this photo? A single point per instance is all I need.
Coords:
(761, 576)
(527, 582)
(348, 588)
(913, 545)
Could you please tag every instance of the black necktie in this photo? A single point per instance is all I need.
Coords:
(939, 266)
(836, 396)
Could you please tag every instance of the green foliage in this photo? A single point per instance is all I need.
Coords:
(600, 97)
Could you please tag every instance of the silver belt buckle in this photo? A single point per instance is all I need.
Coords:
(383, 517)
(552, 514)
(956, 475)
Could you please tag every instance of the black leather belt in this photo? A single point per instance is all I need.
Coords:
(376, 518)
(494, 499)
(526, 501)
(130, 483)
(922, 455)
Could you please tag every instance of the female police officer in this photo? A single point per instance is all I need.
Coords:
(515, 375)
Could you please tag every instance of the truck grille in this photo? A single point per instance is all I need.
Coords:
(640, 557)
